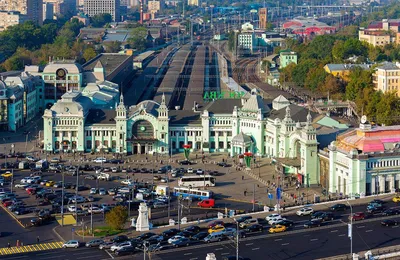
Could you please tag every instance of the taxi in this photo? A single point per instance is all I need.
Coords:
(217, 228)
(277, 229)
(50, 183)
(7, 174)
(396, 199)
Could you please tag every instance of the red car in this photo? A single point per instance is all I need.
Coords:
(357, 216)
(31, 191)
(215, 223)
(7, 203)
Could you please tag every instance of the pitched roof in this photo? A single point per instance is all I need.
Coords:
(254, 103)
(297, 113)
(184, 117)
(241, 138)
(101, 116)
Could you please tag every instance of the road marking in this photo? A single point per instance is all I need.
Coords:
(395, 226)
(368, 231)
(360, 226)
(91, 256)
(109, 254)
(285, 244)
(193, 258)
(17, 257)
(188, 254)
(217, 249)
(49, 253)
(249, 244)
(255, 248)
(279, 239)
(225, 254)
(334, 231)
(298, 226)
(342, 235)
(90, 252)
(314, 239)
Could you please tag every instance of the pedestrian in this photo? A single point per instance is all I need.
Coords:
(242, 177)
(273, 177)
(37, 240)
(17, 244)
(244, 193)
(22, 243)
(8, 245)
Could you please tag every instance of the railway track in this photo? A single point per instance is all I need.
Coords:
(245, 70)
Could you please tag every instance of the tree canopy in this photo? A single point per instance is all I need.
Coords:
(138, 38)
(100, 20)
(117, 217)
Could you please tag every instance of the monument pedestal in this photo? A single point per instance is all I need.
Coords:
(142, 222)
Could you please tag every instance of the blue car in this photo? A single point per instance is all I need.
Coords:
(181, 242)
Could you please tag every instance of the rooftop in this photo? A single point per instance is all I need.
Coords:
(101, 116)
(110, 62)
(336, 67)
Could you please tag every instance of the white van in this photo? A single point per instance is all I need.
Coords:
(103, 176)
(214, 237)
(162, 190)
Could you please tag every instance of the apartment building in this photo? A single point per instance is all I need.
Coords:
(8, 19)
(93, 7)
(33, 9)
(386, 77)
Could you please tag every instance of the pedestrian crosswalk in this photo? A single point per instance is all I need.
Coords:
(30, 248)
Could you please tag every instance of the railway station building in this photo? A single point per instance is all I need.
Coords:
(267, 128)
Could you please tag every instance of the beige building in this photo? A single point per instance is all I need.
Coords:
(33, 9)
(386, 78)
(381, 33)
(93, 7)
(10, 18)
(193, 2)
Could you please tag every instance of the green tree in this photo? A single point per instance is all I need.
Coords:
(315, 78)
(138, 38)
(112, 47)
(89, 53)
(359, 79)
(117, 217)
(13, 63)
(99, 20)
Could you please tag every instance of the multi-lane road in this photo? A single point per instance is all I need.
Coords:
(298, 243)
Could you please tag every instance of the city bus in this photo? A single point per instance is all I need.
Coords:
(192, 193)
(196, 181)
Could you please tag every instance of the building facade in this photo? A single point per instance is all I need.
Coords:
(19, 101)
(287, 57)
(386, 77)
(63, 7)
(233, 126)
(262, 18)
(8, 19)
(48, 11)
(343, 70)
(93, 7)
(365, 161)
(33, 9)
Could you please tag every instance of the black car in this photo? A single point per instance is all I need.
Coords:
(146, 235)
(193, 229)
(120, 239)
(128, 250)
(317, 214)
(187, 234)
(200, 236)
(143, 170)
(243, 219)
(21, 211)
(223, 164)
(286, 223)
(339, 207)
(170, 233)
(391, 212)
(389, 222)
(185, 162)
(313, 223)
(154, 239)
(327, 216)
(254, 228)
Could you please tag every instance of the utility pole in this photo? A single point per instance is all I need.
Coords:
(76, 194)
(351, 229)
(179, 213)
(254, 195)
(191, 32)
(91, 219)
(26, 144)
(12, 180)
(169, 204)
(62, 199)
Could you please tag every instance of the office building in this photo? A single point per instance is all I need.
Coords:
(93, 7)
(48, 11)
(8, 19)
(287, 57)
(33, 9)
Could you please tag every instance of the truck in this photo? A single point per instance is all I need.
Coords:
(41, 164)
(23, 165)
(162, 190)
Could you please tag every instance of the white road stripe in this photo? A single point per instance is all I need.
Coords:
(249, 244)
(314, 239)
(188, 254)
(368, 231)
(225, 254)
(285, 244)
(360, 226)
(334, 231)
(279, 239)
(342, 235)
(217, 249)
(109, 254)
(255, 248)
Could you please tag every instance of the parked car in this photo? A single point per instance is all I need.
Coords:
(254, 228)
(277, 229)
(339, 207)
(106, 245)
(94, 243)
(120, 245)
(389, 222)
(181, 242)
(391, 212)
(193, 229)
(200, 236)
(127, 250)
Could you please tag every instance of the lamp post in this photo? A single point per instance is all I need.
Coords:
(62, 199)
(351, 229)
(237, 239)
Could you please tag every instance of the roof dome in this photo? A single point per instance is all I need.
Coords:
(73, 68)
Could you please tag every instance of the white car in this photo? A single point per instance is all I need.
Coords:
(120, 245)
(163, 199)
(175, 238)
(100, 160)
(21, 185)
(127, 182)
(275, 220)
(71, 208)
(114, 169)
(25, 180)
(304, 212)
(30, 158)
(199, 171)
(273, 216)
(95, 210)
(77, 199)
(34, 179)
(71, 244)
(93, 191)
(190, 170)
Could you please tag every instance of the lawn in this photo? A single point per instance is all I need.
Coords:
(100, 232)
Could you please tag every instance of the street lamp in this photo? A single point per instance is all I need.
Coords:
(351, 229)
(237, 239)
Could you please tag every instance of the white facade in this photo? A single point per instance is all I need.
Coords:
(93, 7)
(247, 41)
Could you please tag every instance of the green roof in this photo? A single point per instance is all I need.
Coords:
(330, 122)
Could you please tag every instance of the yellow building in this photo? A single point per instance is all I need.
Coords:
(386, 77)
(343, 70)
